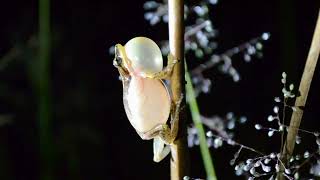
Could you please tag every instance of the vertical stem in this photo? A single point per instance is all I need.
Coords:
(195, 113)
(179, 150)
(43, 92)
(304, 90)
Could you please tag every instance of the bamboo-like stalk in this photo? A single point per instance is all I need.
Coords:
(179, 150)
(42, 86)
(304, 87)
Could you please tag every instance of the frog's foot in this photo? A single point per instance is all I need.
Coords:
(165, 73)
(161, 136)
(166, 135)
(160, 150)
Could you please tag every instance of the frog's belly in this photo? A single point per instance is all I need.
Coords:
(148, 102)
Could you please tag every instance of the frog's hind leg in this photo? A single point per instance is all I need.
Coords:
(160, 149)
(169, 134)
(166, 133)
(152, 133)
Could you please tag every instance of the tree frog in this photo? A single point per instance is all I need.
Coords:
(146, 98)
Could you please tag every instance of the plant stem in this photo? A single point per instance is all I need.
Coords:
(179, 150)
(42, 84)
(195, 113)
(304, 90)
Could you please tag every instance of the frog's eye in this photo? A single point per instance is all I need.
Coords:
(117, 59)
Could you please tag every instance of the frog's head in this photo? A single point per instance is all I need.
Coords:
(118, 59)
(139, 56)
(121, 60)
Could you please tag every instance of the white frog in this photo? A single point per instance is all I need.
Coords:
(146, 98)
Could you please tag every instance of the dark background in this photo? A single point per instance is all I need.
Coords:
(93, 138)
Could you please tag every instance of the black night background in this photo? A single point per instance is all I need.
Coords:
(92, 138)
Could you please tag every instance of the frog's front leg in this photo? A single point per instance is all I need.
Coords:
(166, 72)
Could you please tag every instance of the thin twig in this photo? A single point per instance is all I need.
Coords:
(195, 29)
(229, 53)
(304, 90)
(305, 161)
(179, 150)
(283, 121)
(234, 143)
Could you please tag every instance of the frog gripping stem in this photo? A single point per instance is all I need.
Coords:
(146, 98)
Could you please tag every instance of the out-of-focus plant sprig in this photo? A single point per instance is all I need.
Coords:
(250, 48)
(268, 165)
(222, 126)
(199, 33)
(200, 39)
